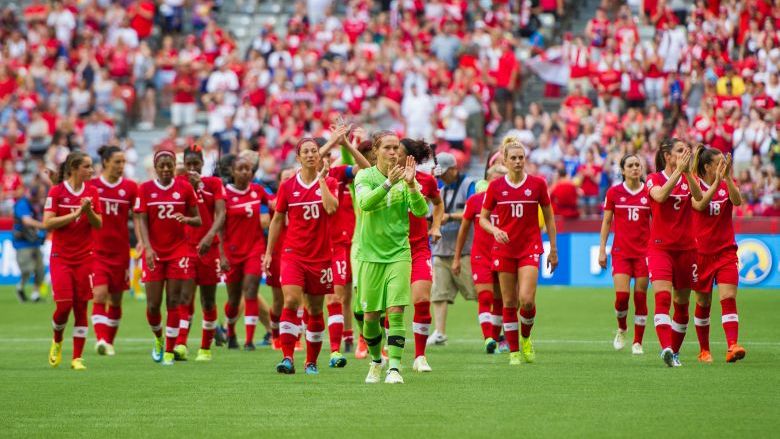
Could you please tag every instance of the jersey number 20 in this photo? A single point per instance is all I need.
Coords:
(311, 211)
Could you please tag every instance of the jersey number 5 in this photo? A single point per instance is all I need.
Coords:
(311, 211)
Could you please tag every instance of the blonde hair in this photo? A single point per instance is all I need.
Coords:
(510, 141)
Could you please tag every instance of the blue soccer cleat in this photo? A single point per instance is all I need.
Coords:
(311, 369)
(286, 367)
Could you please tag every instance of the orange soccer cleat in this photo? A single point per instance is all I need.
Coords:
(735, 353)
(705, 357)
(362, 349)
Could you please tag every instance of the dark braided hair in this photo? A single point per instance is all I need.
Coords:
(418, 149)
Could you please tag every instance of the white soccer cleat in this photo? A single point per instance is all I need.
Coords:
(676, 360)
(436, 339)
(374, 373)
(100, 347)
(620, 340)
(110, 350)
(636, 349)
(667, 355)
(393, 377)
(421, 364)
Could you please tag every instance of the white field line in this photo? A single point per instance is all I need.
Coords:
(460, 341)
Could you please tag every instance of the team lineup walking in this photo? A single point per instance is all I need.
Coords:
(352, 238)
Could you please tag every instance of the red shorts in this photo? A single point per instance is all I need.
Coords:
(206, 267)
(421, 263)
(274, 270)
(316, 278)
(481, 271)
(634, 267)
(502, 264)
(675, 266)
(250, 265)
(71, 281)
(342, 270)
(720, 267)
(178, 269)
(114, 273)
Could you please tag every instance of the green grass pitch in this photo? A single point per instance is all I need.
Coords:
(579, 386)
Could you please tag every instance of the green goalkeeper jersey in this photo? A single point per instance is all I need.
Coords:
(383, 234)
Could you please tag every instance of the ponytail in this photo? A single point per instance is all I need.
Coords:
(704, 156)
(666, 147)
(418, 149)
(510, 141)
(72, 161)
(195, 150)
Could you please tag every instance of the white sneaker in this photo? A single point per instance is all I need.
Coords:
(110, 349)
(636, 349)
(374, 373)
(421, 364)
(393, 377)
(620, 340)
(436, 339)
(100, 347)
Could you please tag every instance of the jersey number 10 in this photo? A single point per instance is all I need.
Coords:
(517, 210)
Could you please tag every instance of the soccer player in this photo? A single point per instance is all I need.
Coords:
(717, 251)
(112, 247)
(628, 205)
(72, 212)
(164, 206)
(383, 252)
(422, 273)
(306, 201)
(244, 246)
(490, 304)
(342, 227)
(206, 254)
(515, 199)
(273, 272)
(671, 255)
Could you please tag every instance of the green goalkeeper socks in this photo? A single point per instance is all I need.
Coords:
(372, 333)
(396, 338)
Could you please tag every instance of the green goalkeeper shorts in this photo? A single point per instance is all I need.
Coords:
(382, 285)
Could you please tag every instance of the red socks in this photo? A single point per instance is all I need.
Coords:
(274, 325)
(184, 324)
(511, 329)
(231, 314)
(497, 317)
(527, 321)
(80, 325)
(209, 326)
(289, 331)
(251, 313)
(171, 328)
(335, 326)
(640, 315)
(484, 303)
(663, 324)
(621, 308)
(421, 325)
(60, 318)
(679, 325)
(315, 329)
(730, 320)
(155, 322)
(100, 321)
(701, 318)
(114, 316)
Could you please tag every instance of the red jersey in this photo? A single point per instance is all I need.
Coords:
(517, 209)
(631, 212)
(160, 203)
(74, 242)
(483, 241)
(670, 228)
(243, 232)
(307, 238)
(713, 226)
(116, 202)
(208, 193)
(343, 223)
(418, 226)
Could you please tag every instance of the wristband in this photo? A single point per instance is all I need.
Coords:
(387, 185)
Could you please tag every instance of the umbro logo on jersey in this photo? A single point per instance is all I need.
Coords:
(154, 195)
(253, 194)
(235, 199)
(100, 190)
(296, 194)
(176, 196)
(122, 192)
(622, 199)
(66, 200)
(504, 193)
(527, 192)
(643, 200)
(722, 192)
